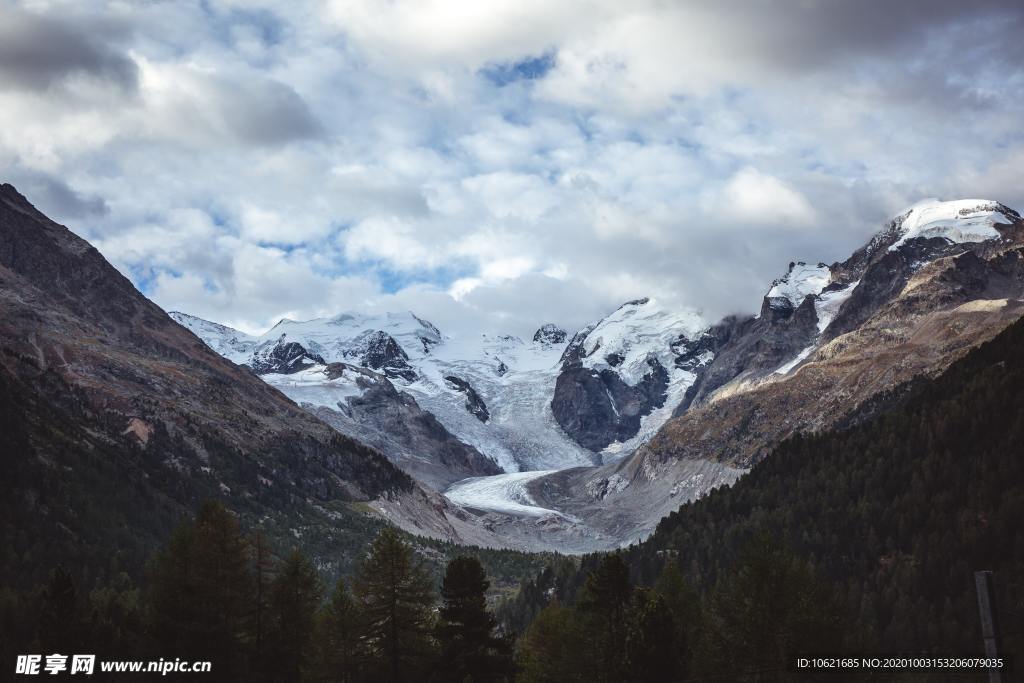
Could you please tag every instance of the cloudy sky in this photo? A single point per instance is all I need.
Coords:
(499, 163)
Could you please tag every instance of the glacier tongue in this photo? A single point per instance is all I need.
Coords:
(521, 433)
(505, 493)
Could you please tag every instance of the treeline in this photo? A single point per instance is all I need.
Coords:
(770, 606)
(887, 521)
(216, 594)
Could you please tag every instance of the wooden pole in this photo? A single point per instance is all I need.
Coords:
(983, 582)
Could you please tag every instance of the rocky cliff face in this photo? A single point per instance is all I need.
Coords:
(367, 406)
(283, 358)
(474, 404)
(597, 408)
(549, 333)
(624, 368)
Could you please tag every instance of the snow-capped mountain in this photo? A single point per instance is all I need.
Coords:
(234, 345)
(913, 238)
(496, 393)
(622, 377)
(958, 221)
(691, 405)
(831, 346)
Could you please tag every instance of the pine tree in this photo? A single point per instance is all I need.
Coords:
(59, 618)
(336, 636)
(605, 599)
(263, 575)
(685, 606)
(115, 619)
(555, 648)
(770, 607)
(469, 649)
(652, 649)
(200, 591)
(294, 598)
(396, 595)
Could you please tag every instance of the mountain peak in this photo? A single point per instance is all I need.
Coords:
(958, 221)
(549, 333)
(643, 301)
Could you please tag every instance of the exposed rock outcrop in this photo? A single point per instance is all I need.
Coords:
(394, 423)
(382, 352)
(474, 404)
(596, 407)
(549, 333)
(283, 358)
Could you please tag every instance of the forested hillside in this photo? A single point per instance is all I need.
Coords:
(216, 593)
(883, 523)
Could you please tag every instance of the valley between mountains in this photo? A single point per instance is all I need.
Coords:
(864, 416)
(582, 440)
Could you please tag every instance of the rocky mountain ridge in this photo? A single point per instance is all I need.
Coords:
(112, 409)
(828, 339)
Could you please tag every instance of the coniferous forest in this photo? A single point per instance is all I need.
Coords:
(216, 593)
(857, 541)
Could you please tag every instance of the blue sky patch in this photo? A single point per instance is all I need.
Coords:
(528, 69)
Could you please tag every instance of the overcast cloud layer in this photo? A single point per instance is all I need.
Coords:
(498, 164)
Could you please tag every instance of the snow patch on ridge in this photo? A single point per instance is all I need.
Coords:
(827, 305)
(801, 280)
(637, 331)
(959, 221)
(785, 368)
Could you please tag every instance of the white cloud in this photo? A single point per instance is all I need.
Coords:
(759, 199)
(250, 160)
(406, 33)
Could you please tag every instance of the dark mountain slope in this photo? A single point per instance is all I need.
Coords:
(895, 513)
(117, 420)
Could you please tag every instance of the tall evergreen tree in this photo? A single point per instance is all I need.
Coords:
(605, 600)
(200, 591)
(115, 620)
(263, 575)
(294, 597)
(555, 648)
(395, 593)
(470, 651)
(652, 649)
(685, 606)
(337, 633)
(60, 613)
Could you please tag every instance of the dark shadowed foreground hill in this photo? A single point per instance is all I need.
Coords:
(114, 420)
